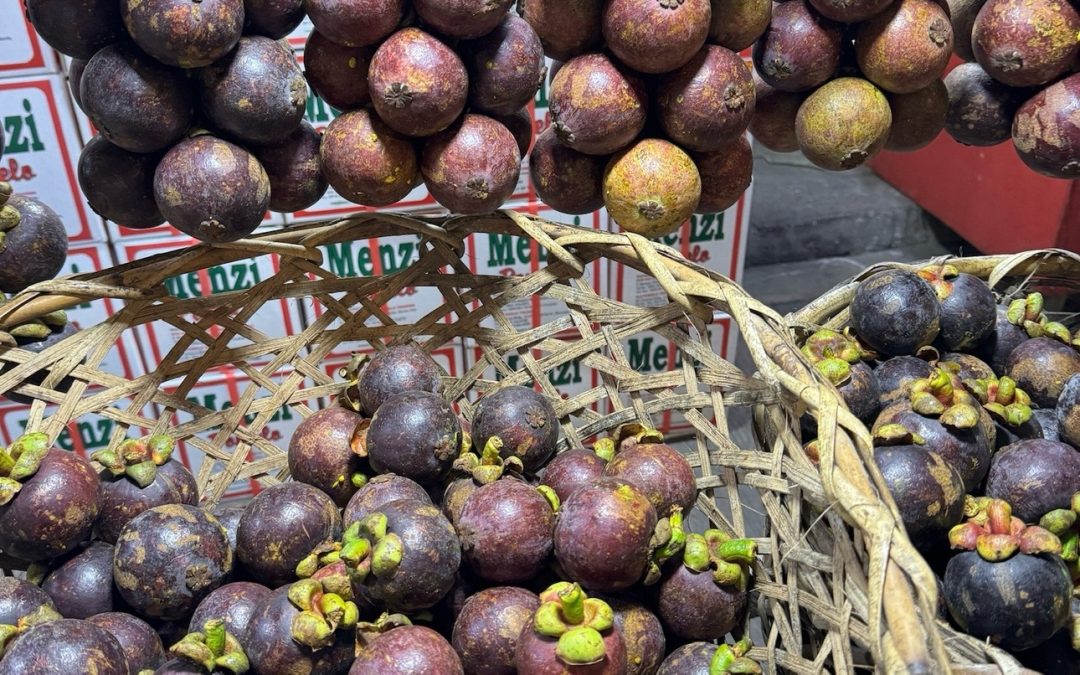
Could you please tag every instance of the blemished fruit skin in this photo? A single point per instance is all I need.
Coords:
(122, 499)
(773, 121)
(1034, 476)
(294, 169)
(365, 161)
(395, 370)
(139, 641)
(800, 50)
(18, 598)
(567, 28)
(1046, 130)
(851, 11)
(928, 492)
(1041, 366)
(506, 67)
(918, 117)
(473, 166)
(87, 649)
(414, 434)
(1067, 412)
(536, 655)
(76, 29)
(184, 34)
(725, 175)
(523, 419)
(234, 603)
(843, 124)
(406, 650)
(321, 453)
(651, 188)
(271, 649)
(597, 105)
(895, 313)
(462, 19)
(358, 23)
(506, 531)
(660, 472)
(565, 179)
(690, 659)
(736, 25)
(968, 451)
(338, 74)
(643, 636)
(981, 109)
(1025, 43)
(694, 607)
(35, 249)
(658, 36)
(905, 47)
(486, 631)
(382, 489)
(119, 185)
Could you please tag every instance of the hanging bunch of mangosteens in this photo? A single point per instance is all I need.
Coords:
(974, 405)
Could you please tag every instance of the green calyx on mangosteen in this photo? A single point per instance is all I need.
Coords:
(839, 358)
(523, 418)
(44, 613)
(36, 336)
(137, 460)
(1010, 407)
(661, 472)
(1010, 584)
(213, 649)
(968, 307)
(322, 613)
(471, 471)
(1065, 525)
(1027, 313)
(706, 658)
(571, 629)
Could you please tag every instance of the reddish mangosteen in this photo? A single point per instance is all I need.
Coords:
(49, 499)
(895, 376)
(131, 482)
(523, 419)
(597, 105)
(773, 122)
(843, 123)
(322, 453)
(486, 631)
(658, 470)
(725, 175)
(981, 109)
(402, 649)
(708, 102)
(1035, 476)
(918, 117)
(281, 526)
(566, 29)
(1068, 412)
(414, 434)
(366, 162)
(569, 470)
(380, 490)
(229, 517)
(705, 658)
(256, 94)
(356, 24)
(968, 307)
(34, 248)
(211, 649)
(521, 125)
(76, 29)
(338, 74)
(705, 597)
(234, 603)
(571, 633)
(119, 185)
(462, 19)
(1045, 131)
(294, 169)
(736, 25)
(839, 359)
(905, 47)
(418, 85)
(65, 646)
(565, 179)
(472, 471)
(506, 67)
(1025, 43)
(273, 18)
(642, 634)
(169, 558)
(184, 34)
(657, 36)
(36, 336)
(800, 50)
(141, 645)
(395, 370)
(183, 480)
(83, 585)
(1009, 406)
(603, 535)
(896, 313)
(1041, 366)
(473, 166)
(302, 628)
(1009, 584)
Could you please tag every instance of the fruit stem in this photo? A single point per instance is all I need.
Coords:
(572, 602)
(551, 496)
(28, 451)
(215, 635)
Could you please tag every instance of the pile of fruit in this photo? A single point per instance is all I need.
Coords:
(974, 407)
(407, 541)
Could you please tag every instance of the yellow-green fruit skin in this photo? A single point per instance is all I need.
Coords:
(651, 188)
(843, 124)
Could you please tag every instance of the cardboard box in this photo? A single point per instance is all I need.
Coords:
(22, 51)
(42, 151)
(275, 319)
(83, 436)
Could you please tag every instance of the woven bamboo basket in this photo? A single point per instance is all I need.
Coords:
(838, 586)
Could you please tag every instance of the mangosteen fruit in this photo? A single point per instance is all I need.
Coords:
(965, 366)
(322, 453)
(396, 370)
(119, 185)
(49, 499)
(417, 84)
(403, 650)
(521, 125)
(35, 248)
(736, 25)
(462, 19)
(272, 18)
(571, 633)
(839, 359)
(338, 74)
(918, 117)
(184, 34)
(1068, 412)
(706, 658)
(366, 162)
(65, 646)
(229, 517)
(597, 106)
(1006, 337)
(414, 434)
(471, 471)
(131, 482)
(603, 535)
(355, 24)
(211, 189)
(75, 29)
(651, 188)
(82, 585)
(895, 376)
(282, 525)
(850, 11)
(140, 643)
(843, 123)
(708, 102)
(905, 47)
(506, 530)
(523, 419)
(302, 628)
(895, 313)
(725, 175)
(1025, 43)
(294, 170)
(1009, 585)
(569, 470)
(473, 166)
(773, 121)
(656, 37)
(380, 490)
(968, 308)
(235, 603)
(20, 598)
(800, 50)
(1045, 132)
(486, 631)
(257, 94)
(963, 13)
(705, 597)
(1034, 476)
(183, 480)
(658, 470)
(169, 558)
(74, 73)
(565, 179)
(566, 29)
(642, 634)
(1009, 406)
(506, 67)
(981, 109)
(1041, 366)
